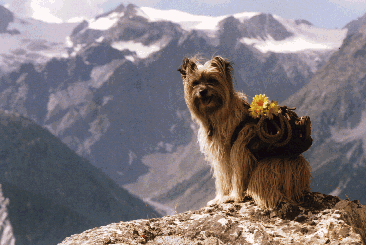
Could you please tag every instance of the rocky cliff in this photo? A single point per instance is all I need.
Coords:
(6, 230)
(320, 219)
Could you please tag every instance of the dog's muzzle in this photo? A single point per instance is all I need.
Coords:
(206, 99)
(204, 95)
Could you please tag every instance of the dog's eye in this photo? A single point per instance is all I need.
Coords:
(195, 83)
(212, 81)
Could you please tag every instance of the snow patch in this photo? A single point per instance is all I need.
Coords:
(140, 49)
(132, 157)
(305, 37)
(296, 43)
(242, 17)
(185, 20)
(106, 99)
(105, 23)
(77, 19)
(100, 39)
(77, 48)
(130, 58)
(68, 42)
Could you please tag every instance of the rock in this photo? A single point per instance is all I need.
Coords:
(320, 219)
(6, 229)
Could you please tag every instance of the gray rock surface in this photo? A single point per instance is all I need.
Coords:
(6, 230)
(320, 219)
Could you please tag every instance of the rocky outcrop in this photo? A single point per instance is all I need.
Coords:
(320, 219)
(6, 230)
(6, 17)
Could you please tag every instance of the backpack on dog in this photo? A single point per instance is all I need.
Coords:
(276, 131)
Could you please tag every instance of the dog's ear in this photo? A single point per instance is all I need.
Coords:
(186, 63)
(222, 64)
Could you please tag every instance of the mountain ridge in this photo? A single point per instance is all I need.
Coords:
(48, 185)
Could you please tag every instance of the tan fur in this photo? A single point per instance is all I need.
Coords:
(218, 109)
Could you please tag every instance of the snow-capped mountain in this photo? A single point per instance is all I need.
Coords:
(29, 40)
(265, 32)
(117, 98)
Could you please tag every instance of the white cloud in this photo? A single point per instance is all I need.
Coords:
(67, 10)
(56, 10)
(43, 13)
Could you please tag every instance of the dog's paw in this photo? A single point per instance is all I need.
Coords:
(225, 199)
(213, 202)
(231, 198)
(236, 197)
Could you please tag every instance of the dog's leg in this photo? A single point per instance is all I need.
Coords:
(242, 162)
(222, 175)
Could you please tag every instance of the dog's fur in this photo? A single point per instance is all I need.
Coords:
(218, 109)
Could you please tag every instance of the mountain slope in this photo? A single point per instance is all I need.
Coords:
(335, 99)
(52, 191)
(29, 40)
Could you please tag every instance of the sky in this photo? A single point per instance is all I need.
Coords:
(321, 13)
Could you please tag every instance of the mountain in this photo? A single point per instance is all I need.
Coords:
(51, 191)
(116, 98)
(335, 99)
(27, 40)
(355, 25)
(6, 17)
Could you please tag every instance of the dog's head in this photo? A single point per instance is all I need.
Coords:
(208, 87)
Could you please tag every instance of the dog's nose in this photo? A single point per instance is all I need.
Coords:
(203, 92)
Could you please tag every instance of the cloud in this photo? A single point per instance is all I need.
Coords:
(66, 10)
(43, 13)
(56, 10)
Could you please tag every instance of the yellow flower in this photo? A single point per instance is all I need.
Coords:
(271, 109)
(260, 100)
(259, 103)
(255, 112)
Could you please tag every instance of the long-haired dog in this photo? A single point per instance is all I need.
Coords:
(219, 109)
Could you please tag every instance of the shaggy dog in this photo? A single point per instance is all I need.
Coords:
(219, 109)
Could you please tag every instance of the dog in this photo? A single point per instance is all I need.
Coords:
(218, 109)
